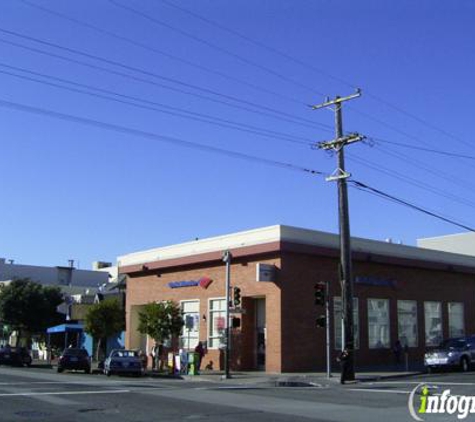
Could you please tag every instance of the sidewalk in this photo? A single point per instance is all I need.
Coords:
(311, 379)
(262, 379)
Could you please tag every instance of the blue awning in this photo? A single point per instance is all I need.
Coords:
(63, 328)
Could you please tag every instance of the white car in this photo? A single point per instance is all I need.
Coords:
(122, 361)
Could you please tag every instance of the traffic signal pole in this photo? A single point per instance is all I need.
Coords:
(346, 280)
(327, 328)
(227, 256)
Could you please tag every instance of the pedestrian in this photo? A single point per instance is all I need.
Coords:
(143, 358)
(397, 350)
(200, 351)
(153, 354)
(343, 358)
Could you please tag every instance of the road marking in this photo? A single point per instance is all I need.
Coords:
(375, 390)
(432, 382)
(64, 393)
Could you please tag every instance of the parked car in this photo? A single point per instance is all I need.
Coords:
(17, 356)
(74, 359)
(452, 353)
(123, 362)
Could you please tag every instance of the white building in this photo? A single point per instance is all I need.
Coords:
(461, 243)
(71, 280)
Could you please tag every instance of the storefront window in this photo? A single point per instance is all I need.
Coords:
(217, 323)
(433, 323)
(407, 322)
(456, 319)
(337, 322)
(378, 323)
(191, 330)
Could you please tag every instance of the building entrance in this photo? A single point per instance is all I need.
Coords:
(261, 334)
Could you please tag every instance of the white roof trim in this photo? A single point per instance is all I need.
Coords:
(291, 234)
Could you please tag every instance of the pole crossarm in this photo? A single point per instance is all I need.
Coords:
(337, 100)
(339, 142)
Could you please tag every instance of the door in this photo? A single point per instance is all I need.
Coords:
(261, 334)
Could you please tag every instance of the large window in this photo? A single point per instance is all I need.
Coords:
(456, 319)
(407, 322)
(191, 330)
(217, 323)
(338, 325)
(378, 323)
(433, 323)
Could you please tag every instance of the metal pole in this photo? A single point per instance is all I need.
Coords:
(327, 333)
(227, 259)
(345, 250)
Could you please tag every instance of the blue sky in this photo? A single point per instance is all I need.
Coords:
(78, 191)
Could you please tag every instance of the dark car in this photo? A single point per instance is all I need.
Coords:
(17, 356)
(123, 362)
(74, 359)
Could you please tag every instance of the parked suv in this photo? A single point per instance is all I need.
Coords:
(452, 353)
(74, 359)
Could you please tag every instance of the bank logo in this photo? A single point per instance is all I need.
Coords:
(422, 403)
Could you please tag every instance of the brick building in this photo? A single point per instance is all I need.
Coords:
(401, 292)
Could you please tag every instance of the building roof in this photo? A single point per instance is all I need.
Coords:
(460, 243)
(281, 235)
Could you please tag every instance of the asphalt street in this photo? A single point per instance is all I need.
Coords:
(43, 395)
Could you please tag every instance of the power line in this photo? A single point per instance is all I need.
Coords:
(431, 150)
(213, 46)
(418, 164)
(414, 182)
(158, 51)
(364, 187)
(259, 107)
(150, 135)
(317, 70)
(174, 111)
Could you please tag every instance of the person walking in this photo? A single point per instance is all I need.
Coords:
(200, 351)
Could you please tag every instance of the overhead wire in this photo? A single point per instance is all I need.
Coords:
(153, 105)
(319, 71)
(423, 165)
(377, 192)
(154, 136)
(155, 50)
(431, 150)
(410, 180)
(258, 108)
(212, 45)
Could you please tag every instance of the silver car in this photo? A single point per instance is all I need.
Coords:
(452, 353)
(122, 361)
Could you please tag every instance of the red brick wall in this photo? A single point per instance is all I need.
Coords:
(304, 344)
(151, 287)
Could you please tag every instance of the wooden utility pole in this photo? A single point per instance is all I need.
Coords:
(340, 175)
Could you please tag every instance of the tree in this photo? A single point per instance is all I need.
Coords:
(28, 307)
(161, 321)
(103, 320)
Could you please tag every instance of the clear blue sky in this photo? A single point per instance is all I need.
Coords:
(79, 191)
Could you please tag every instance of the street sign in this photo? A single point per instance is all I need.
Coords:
(237, 311)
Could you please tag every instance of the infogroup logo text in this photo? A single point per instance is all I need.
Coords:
(444, 403)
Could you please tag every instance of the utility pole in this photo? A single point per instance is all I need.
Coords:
(346, 280)
(227, 256)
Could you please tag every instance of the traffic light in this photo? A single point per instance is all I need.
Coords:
(236, 297)
(321, 321)
(320, 293)
(236, 322)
